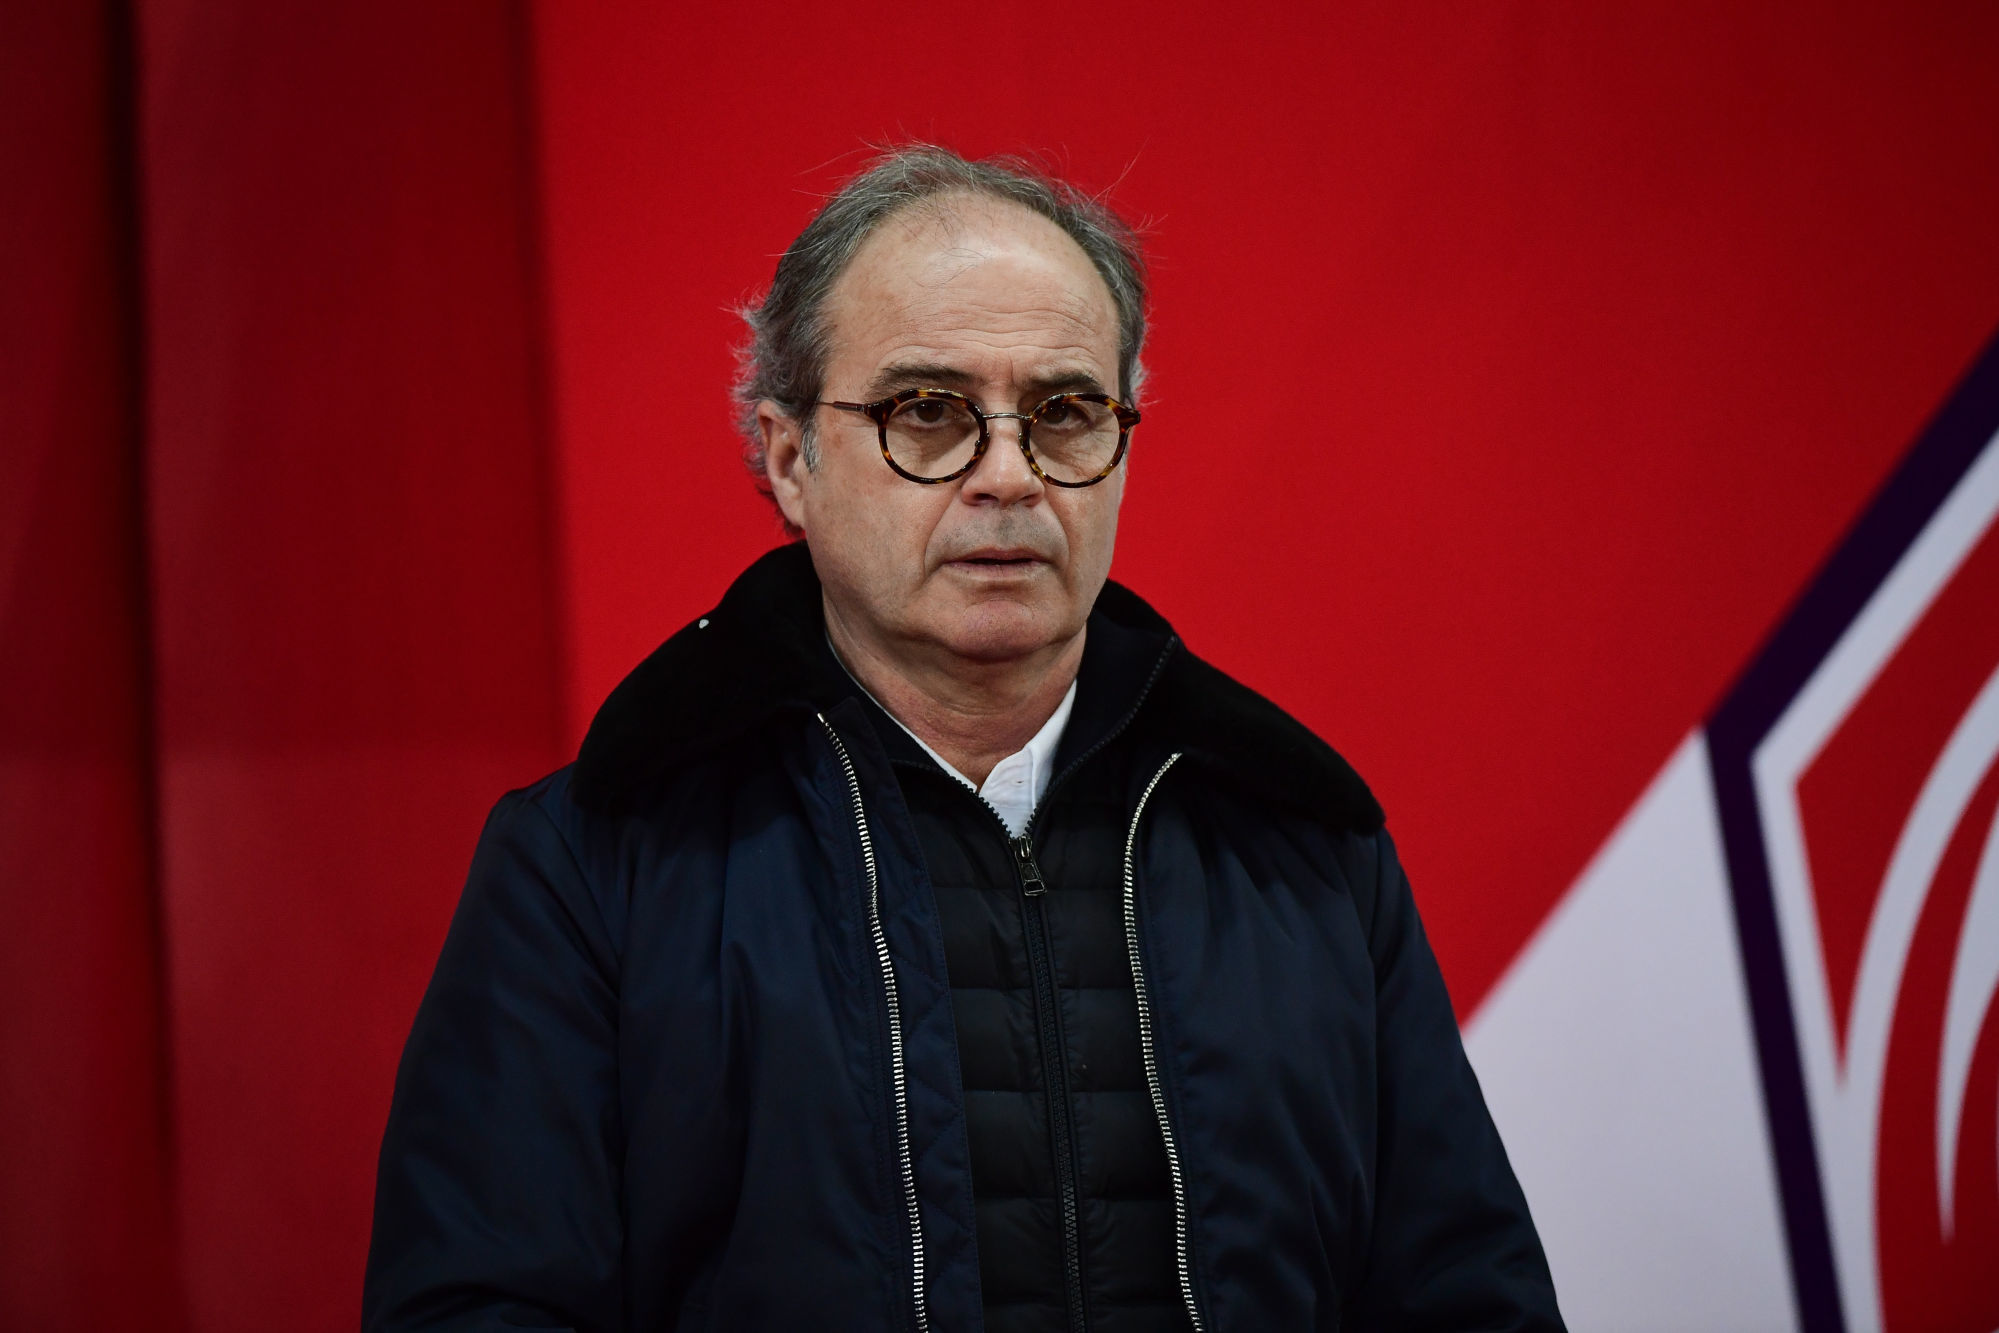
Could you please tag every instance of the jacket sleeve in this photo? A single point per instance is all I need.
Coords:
(1454, 1247)
(497, 1193)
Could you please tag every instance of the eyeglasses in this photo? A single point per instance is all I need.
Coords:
(938, 435)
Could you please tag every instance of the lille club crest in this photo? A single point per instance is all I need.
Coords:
(1856, 766)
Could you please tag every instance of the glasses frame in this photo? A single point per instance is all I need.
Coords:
(882, 409)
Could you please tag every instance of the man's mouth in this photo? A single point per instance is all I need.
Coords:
(999, 559)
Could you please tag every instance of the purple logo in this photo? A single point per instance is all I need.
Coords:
(1856, 764)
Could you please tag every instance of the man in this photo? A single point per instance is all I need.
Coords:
(924, 938)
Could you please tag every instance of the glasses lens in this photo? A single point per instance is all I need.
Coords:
(1074, 438)
(932, 437)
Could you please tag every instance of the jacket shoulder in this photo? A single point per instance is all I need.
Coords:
(1252, 742)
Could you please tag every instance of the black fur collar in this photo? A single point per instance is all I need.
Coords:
(761, 653)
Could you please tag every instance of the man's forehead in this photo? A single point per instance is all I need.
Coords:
(926, 270)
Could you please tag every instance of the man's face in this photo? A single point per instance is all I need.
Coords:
(998, 303)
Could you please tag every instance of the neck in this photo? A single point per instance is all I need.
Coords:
(972, 713)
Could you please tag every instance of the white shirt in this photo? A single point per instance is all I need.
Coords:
(1017, 782)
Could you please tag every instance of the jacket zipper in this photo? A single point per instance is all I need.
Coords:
(1031, 882)
(1182, 1255)
(1054, 1073)
(897, 1075)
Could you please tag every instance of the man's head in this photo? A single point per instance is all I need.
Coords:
(932, 272)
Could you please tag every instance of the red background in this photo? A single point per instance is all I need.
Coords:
(364, 386)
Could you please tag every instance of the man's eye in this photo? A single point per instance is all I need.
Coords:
(927, 412)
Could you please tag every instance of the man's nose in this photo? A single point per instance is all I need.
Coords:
(1004, 473)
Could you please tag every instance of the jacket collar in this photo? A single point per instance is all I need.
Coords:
(761, 655)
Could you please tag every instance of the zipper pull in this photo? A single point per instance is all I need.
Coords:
(1031, 882)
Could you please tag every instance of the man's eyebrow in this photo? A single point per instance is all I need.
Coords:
(927, 375)
(1069, 381)
(897, 376)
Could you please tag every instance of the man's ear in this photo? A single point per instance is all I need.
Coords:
(784, 460)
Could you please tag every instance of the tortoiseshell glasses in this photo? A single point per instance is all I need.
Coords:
(938, 435)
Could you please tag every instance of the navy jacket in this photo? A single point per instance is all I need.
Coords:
(688, 1061)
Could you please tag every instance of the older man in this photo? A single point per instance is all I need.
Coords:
(924, 938)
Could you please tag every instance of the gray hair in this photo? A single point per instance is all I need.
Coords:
(785, 357)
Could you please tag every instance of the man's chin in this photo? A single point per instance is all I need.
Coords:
(996, 631)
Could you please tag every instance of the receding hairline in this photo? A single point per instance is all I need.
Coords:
(949, 212)
(952, 212)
